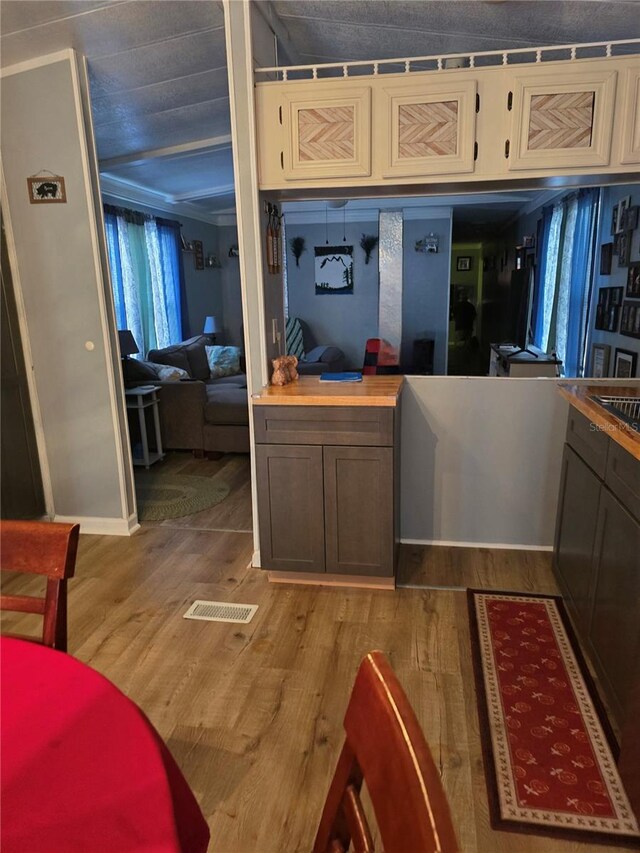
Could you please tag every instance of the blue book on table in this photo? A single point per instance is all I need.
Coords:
(341, 377)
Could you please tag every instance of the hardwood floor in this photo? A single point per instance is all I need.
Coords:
(476, 568)
(234, 512)
(253, 714)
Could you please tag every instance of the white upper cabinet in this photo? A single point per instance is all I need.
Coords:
(562, 120)
(327, 134)
(427, 128)
(631, 118)
(369, 127)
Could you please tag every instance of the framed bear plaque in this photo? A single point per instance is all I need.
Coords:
(47, 189)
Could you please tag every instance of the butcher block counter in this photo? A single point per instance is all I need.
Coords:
(327, 464)
(580, 397)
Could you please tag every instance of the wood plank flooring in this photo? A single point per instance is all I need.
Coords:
(253, 714)
(234, 512)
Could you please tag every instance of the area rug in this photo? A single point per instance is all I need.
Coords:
(548, 748)
(162, 495)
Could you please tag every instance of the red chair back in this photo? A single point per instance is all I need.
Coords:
(41, 548)
(380, 357)
(386, 749)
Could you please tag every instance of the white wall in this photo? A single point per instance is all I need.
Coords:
(59, 277)
(480, 460)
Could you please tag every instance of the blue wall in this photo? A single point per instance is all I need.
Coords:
(618, 278)
(344, 320)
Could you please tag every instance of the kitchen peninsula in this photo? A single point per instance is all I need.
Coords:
(328, 480)
(597, 552)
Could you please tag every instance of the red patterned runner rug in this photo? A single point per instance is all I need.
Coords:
(547, 744)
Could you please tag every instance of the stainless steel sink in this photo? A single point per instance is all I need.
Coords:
(625, 408)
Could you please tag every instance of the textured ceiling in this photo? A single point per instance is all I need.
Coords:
(343, 30)
(158, 67)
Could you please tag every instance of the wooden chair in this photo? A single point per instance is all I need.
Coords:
(386, 749)
(41, 548)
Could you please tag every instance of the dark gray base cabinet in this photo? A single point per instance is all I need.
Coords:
(597, 556)
(326, 503)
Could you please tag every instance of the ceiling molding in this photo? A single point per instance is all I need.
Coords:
(197, 146)
(203, 192)
(125, 191)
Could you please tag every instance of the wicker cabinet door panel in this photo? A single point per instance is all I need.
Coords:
(562, 121)
(431, 128)
(329, 135)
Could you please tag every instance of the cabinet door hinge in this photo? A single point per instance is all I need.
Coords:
(477, 103)
(507, 146)
(280, 113)
(475, 150)
(510, 101)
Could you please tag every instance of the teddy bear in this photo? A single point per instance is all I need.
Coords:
(284, 369)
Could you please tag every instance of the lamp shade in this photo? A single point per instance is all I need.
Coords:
(210, 326)
(128, 345)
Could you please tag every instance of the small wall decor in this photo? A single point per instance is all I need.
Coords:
(47, 189)
(198, 255)
(625, 364)
(606, 254)
(608, 308)
(368, 242)
(633, 282)
(428, 245)
(463, 264)
(600, 357)
(630, 325)
(630, 218)
(296, 244)
(624, 248)
(614, 220)
(334, 269)
(623, 205)
(273, 238)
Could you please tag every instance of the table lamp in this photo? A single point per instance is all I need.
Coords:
(211, 328)
(128, 345)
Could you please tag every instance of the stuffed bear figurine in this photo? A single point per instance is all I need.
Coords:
(284, 370)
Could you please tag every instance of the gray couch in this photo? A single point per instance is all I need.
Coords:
(200, 414)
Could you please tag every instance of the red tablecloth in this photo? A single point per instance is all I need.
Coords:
(82, 768)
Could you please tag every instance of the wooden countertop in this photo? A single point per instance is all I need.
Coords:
(309, 391)
(617, 429)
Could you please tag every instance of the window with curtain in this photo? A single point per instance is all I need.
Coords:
(146, 276)
(563, 281)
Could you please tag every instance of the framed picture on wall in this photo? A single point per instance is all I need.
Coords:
(608, 308)
(606, 254)
(625, 364)
(633, 281)
(630, 221)
(614, 220)
(600, 356)
(623, 205)
(463, 263)
(630, 324)
(624, 248)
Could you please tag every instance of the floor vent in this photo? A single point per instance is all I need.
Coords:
(221, 611)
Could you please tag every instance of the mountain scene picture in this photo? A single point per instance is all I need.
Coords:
(334, 269)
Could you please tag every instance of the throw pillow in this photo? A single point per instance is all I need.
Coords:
(223, 361)
(170, 374)
(135, 370)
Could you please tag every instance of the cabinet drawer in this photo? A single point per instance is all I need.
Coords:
(340, 425)
(623, 477)
(588, 442)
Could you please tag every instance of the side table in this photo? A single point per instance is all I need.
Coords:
(140, 399)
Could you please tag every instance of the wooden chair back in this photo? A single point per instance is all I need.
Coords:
(386, 749)
(41, 548)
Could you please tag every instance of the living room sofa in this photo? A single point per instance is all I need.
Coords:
(199, 413)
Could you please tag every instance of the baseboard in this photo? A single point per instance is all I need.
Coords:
(102, 526)
(327, 579)
(505, 546)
